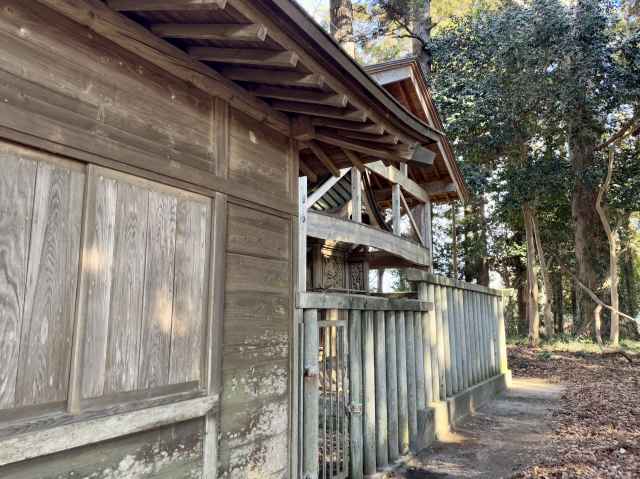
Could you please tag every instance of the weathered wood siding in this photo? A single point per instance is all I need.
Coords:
(111, 286)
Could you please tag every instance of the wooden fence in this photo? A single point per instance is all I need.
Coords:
(402, 358)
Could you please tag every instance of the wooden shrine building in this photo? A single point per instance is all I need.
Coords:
(192, 193)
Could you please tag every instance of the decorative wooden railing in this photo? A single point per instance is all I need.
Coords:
(376, 369)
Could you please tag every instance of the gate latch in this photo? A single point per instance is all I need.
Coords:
(354, 409)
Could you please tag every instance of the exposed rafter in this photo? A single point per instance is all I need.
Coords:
(213, 31)
(371, 128)
(257, 75)
(160, 5)
(348, 114)
(245, 56)
(322, 156)
(306, 96)
(395, 176)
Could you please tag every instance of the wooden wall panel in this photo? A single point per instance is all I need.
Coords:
(146, 273)
(173, 452)
(258, 156)
(255, 402)
(45, 343)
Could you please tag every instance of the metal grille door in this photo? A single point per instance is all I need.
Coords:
(334, 399)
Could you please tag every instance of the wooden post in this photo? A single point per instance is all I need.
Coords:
(382, 448)
(464, 351)
(392, 386)
(502, 336)
(356, 195)
(403, 405)
(453, 340)
(425, 293)
(433, 344)
(311, 395)
(298, 330)
(369, 383)
(448, 352)
(495, 357)
(421, 398)
(486, 335)
(395, 208)
(472, 308)
(411, 381)
(441, 341)
(355, 388)
(481, 335)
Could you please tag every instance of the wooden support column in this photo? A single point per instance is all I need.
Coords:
(425, 293)
(433, 344)
(441, 343)
(411, 381)
(463, 377)
(368, 370)
(355, 386)
(403, 405)
(311, 395)
(382, 448)
(446, 335)
(298, 329)
(392, 386)
(421, 396)
(395, 208)
(469, 301)
(495, 355)
(486, 336)
(356, 195)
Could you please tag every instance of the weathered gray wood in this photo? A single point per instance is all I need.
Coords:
(311, 394)
(349, 301)
(355, 384)
(486, 336)
(189, 307)
(422, 275)
(98, 266)
(425, 291)
(396, 177)
(453, 342)
(123, 351)
(356, 195)
(369, 387)
(395, 208)
(447, 310)
(403, 404)
(320, 191)
(332, 228)
(463, 378)
(472, 344)
(17, 181)
(49, 441)
(245, 56)
(495, 355)
(411, 381)
(380, 365)
(433, 345)
(421, 393)
(159, 5)
(392, 386)
(45, 348)
(441, 341)
(159, 291)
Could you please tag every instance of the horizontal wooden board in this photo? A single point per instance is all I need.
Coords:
(258, 233)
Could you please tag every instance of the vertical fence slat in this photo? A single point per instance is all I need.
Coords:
(433, 345)
(382, 449)
(454, 340)
(495, 339)
(486, 335)
(411, 381)
(502, 334)
(368, 358)
(425, 293)
(449, 357)
(355, 390)
(311, 394)
(403, 405)
(420, 364)
(474, 317)
(392, 386)
(464, 380)
(441, 343)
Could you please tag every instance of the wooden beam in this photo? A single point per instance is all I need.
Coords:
(324, 187)
(136, 39)
(356, 145)
(394, 176)
(82, 433)
(270, 77)
(371, 128)
(440, 188)
(160, 5)
(306, 96)
(336, 229)
(412, 219)
(302, 129)
(355, 160)
(245, 56)
(319, 110)
(322, 156)
(356, 195)
(395, 208)
(383, 139)
(333, 300)
(422, 155)
(213, 31)
(308, 172)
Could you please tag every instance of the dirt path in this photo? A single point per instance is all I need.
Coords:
(506, 435)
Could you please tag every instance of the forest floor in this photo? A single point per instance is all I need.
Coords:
(571, 413)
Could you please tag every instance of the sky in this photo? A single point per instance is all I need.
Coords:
(313, 6)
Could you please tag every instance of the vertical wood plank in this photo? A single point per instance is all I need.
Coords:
(222, 136)
(127, 291)
(191, 255)
(212, 365)
(403, 404)
(17, 187)
(299, 283)
(158, 292)
(495, 357)
(382, 448)
(355, 385)
(98, 267)
(425, 293)
(502, 337)
(368, 371)
(453, 340)
(471, 336)
(411, 381)
(356, 195)
(463, 377)
(45, 351)
(392, 386)
(441, 341)
(395, 208)
(486, 336)
(421, 386)
(433, 344)
(311, 394)
(446, 331)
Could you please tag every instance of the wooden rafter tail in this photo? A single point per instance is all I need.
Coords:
(245, 56)
(348, 114)
(267, 77)
(213, 31)
(371, 128)
(307, 96)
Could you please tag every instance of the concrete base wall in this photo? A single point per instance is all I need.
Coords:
(467, 402)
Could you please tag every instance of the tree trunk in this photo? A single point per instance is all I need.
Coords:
(546, 279)
(558, 306)
(597, 323)
(523, 320)
(532, 283)
(613, 238)
(422, 29)
(342, 25)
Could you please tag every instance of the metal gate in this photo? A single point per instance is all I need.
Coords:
(334, 398)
